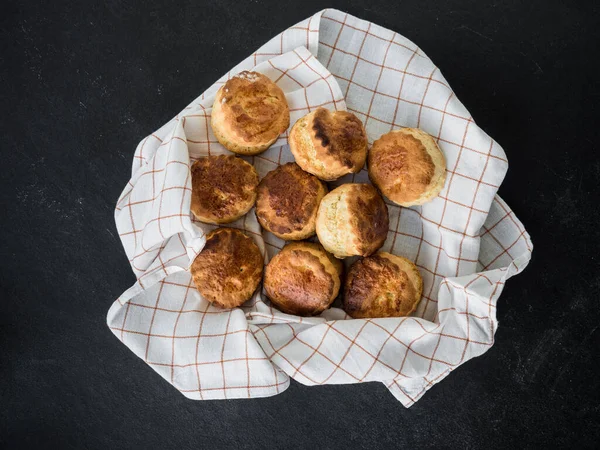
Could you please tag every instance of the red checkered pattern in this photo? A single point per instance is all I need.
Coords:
(466, 243)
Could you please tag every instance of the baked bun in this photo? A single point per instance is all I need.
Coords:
(228, 269)
(303, 279)
(249, 113)
(407, 166)
(287, 202)
(382, 285)
(223, 188)
(352, 220)
(329, 144)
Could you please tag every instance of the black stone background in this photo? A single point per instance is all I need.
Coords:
(82, 82)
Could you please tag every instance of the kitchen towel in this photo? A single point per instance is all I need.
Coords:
(466, 243)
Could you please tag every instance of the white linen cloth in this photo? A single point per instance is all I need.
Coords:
(466, 242)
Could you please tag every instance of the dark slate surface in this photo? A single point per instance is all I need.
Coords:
(83, 82)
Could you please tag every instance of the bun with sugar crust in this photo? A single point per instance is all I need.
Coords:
(249, 113)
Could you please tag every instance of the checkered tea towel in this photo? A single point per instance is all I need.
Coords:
(467, 242)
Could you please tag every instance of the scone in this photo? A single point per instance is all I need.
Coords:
(329, 144)
(249, 113)
(407, 166)
(223, 188)
(228, 269)
(352, 220)
(303, 279)
(287, 202)
(382, 285)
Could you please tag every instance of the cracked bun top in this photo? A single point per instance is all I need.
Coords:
(228, 269)
(223, 188)
(249, 113)
(303, 279)
(352, 220)
(407, 166)
(329, 144)
(382, 285)
(287, 202)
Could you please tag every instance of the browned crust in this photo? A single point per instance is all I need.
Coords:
(303, 279)
(401, 167)
(369, 217)
(329, 144)
(228, 269)
(249, 110)
(288, 200)
(342, 135)
(377, 287)
(223, 188)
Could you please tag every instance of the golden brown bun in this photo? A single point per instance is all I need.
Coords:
(303, 279)
(352, 220)
(329, 144)
(287, 202)
(382, 285)
(228, 269)
(223, 188)
(407, 166)
(249, 113)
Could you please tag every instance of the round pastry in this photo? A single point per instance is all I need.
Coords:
(303, 279)
(287, 202)
(223, 188)
(352, 220)
(382, 285)
(249, 113)
(329, 144)
(407, 166)
(228, 269)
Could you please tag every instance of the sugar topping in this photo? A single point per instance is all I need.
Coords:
(250, 76)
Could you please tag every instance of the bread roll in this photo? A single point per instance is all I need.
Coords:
(382, 285)
(249, 113)
(228, 269)
(223, 188)
(407, 166)
(303, 279)
(352, 220)
(287, 202)
(329, 144)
